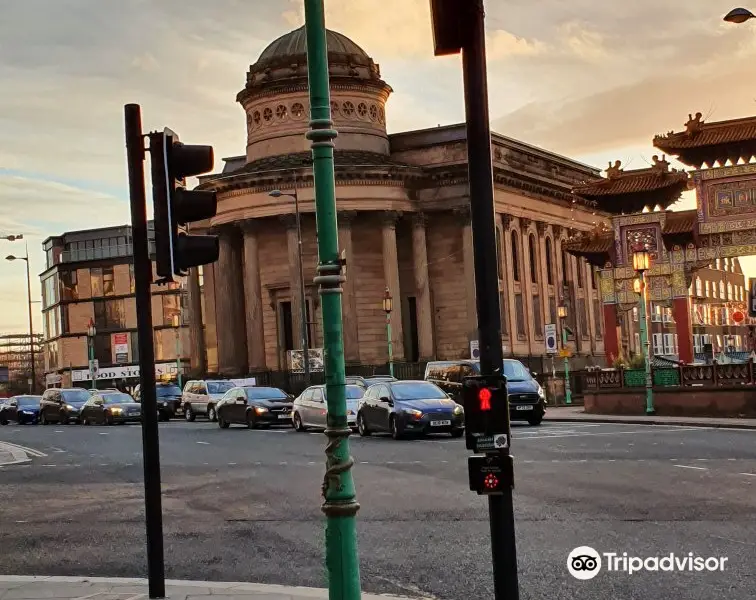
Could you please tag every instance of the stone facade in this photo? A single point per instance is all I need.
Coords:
(403, 214)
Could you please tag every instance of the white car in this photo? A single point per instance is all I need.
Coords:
(200, 397)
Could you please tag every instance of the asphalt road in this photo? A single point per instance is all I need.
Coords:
(243, 505)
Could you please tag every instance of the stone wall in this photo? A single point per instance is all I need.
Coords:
(736, 401)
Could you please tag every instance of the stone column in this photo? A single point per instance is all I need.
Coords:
(468, 262)
(295, 278)
(611, 336)
(391, 277)
(196, 329)
(349, 299)
(422, 288)
(211, 327)
(253, 307)
(232, 343)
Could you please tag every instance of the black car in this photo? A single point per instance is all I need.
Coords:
(527, 401)
(407, 407)
(20, 409)
(168, 396)
(109, 408)
(254, 407)
(62, 405)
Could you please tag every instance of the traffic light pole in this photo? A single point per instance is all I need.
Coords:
(340, 505)
(480, 175)
(142, 280)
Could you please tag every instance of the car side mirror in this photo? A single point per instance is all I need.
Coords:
(385, 399)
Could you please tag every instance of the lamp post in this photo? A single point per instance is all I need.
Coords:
(739, 15)
(302, 295)
(641, 264)
(340, 498)
(388, 306)
(91, 333)
(177, 326)
(562, 314)
(11, 257)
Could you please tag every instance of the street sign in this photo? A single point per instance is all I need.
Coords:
(490, 475)
(752, 296)
(94, 366)
(564, 353)
(551, 338)
(491, 443)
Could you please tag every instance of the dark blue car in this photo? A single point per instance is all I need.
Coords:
(20, 409)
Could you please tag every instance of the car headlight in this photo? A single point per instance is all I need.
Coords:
(26, 412)
(116, 411)
(260, 410)
(69, 407)
(458, 410)
(415, 413)
(541, 393)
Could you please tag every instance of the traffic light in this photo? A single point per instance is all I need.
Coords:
(486, 412)
(175, 206)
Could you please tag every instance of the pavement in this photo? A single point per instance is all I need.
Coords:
(577, 414)
(243, 505)
(125, 588)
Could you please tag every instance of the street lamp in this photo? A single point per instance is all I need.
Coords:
(739, 15)
(641, 264)
(177, 326)
(562, 314)
(302, 296)
(91, 333)
(388, 306)
(11, 257)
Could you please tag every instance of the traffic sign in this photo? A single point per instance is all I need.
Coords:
(551, 338)
(490, 443)
(738, 316)
(565, 353)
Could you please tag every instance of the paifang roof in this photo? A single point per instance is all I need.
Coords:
(703, 142)
(682, 221)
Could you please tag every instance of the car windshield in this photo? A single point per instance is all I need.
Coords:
(354, 392)
(167, 390)
(412, 390)
(218, 387)
(75, 396)
(265, 393)
(116, 398)
(29, 401)
(516, 371)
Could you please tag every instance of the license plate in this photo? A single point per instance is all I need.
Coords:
(524, 408)
(287, 416)
(440, 423)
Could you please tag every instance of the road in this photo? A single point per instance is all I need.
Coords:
(244, 505)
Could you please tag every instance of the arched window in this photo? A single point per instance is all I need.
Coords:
(565, 267)
(533, 258)
(580, 271)
(499, 268)
(549, 262)
(515, 258)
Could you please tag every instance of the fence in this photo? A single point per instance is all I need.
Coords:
(682, 376)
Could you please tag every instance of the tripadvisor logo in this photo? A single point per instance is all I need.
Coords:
(585, 562)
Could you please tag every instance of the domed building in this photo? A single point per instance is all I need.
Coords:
(404, 224)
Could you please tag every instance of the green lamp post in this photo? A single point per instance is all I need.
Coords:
(641, 264)
(562, 314)
(340, 504)
(388, 306)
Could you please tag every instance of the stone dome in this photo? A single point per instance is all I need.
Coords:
(294, 44)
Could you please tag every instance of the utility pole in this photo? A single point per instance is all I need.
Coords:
(340, 505)
(459, 25)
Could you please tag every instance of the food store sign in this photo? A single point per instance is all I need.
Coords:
(161, 370)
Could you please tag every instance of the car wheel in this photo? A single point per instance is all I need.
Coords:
(43, 419)
(222, 423)
(362, 426)
(85, 421)
(535, 420)
(212, 415)
(3, 422)
(109, 419)
(395, 432)
(251, 419)
(457, 433)
(297, 421)
(189, 413)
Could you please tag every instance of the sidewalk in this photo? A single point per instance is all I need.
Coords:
(576, 414)
(103, 588)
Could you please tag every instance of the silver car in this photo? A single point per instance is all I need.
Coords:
(200, 397)
(310, 409)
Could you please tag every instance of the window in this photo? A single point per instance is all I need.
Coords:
(50, 291)
(515, 258)
(96, 277)
(499, 268)
(583, 319)
(520, 316)
(636, 313)
(721, 289)
(729, 292)
(53, 356)
(636, 337)
(109, 314)
(102, 350)
(565, 267)
(658, 341)
(699, 291)
(69, 285)
(708, 293)
(537, 319)
(580, 272)
(108, 285)
(170, 308)
(533, 255)
(134, 346)
(549, 263)
(131, 278)
(669, 343)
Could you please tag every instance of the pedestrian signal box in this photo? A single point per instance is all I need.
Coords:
(490, 475)
(486, 410)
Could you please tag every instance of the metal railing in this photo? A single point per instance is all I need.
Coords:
(712, 375)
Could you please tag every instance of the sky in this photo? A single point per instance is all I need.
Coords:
(587, 79)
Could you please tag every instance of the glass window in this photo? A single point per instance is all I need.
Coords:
(96, 275)
(131, 278)
(499, 268)
(265, 393)
(533, 255)
(514, 370)
(549, 262)
(102, 351)
(170, 308)
(69, 285)
(515, 258)
(109, 314)
(50, 290)
(354, 392)
(116, 398)
(108, 285)
(411, 390)
(75, 396)
(167, 390)
(219, 387)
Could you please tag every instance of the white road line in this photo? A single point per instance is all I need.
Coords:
(58, 431)
(651, 430)
(691, 467)
(26, 449)
(104, 433)
(204, 443)
(231, 464)
(748, 474)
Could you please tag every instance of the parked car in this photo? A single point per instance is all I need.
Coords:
(93, 391)
(407, 407)
(356, 380)
(61, 405)
(254, 407)
(109, 408)
(168, 396)
(378, 379)
(22, 409)
(527, 401)
(310, 409)
(201, 397)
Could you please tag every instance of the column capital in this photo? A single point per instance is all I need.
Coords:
(289, 220)
(347, 217)
(525, 224)
(557, 230)
(390, 217)
(420, 219)
(541, 227)
(250, 226)
(506, 221)
(462, 212)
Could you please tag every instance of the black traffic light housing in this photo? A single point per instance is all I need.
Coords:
(175, 206)
(450, 25)
(486, 413)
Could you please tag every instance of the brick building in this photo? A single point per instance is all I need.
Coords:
(403, 224)
(89, 277)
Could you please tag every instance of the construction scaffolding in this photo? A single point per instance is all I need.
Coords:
(15, 354)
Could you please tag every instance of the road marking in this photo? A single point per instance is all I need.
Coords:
(691, 467)
(104, 433)
(204, 443)
(748, 474)
(650, 430)
(57, 449)
(58, 431)
(26, 449)
(702, 459)
(231, 464)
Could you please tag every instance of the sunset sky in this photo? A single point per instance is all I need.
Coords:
(591, 80)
